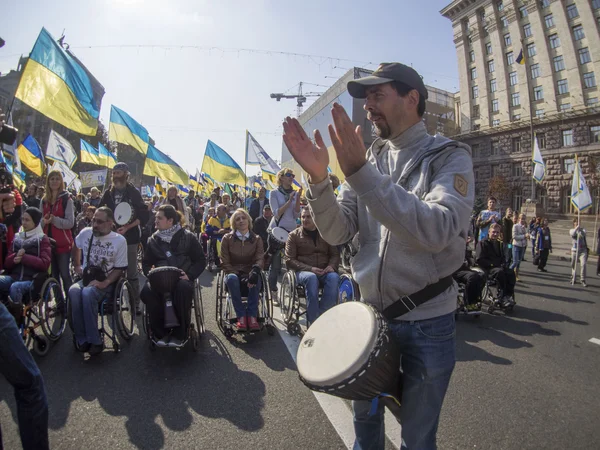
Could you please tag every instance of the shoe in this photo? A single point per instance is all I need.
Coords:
(96, 349)
(583, 283)
(510, 300)
(164, 341)
(241, 324)
(174, 342)
(254, 325)
(524, 260)
(84, 348)
(518, 279)
(275, 297)
(572, 281)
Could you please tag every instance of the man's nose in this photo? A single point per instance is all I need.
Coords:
(368, 106)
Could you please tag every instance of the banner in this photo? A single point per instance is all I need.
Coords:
(93, 178)
(68, 175)
(59, 149)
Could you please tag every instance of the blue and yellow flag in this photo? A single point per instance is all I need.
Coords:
(55, 83)
(124, 129)
(521, 58)
(89, 154)
(30, 154)
(160, 165)
(194, 183)
(221, 166)
(107, 158)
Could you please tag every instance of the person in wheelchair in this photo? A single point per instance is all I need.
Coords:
(473, 281)
(29, 255)
(242, 255)
(490, 257)
(315, 263)
(172, 245)
(217, 227)
(104, 262)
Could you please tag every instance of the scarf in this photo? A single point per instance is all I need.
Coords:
(167, 235)
(286, 192)
(37, 232)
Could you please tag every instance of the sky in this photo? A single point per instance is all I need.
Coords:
(193, 70)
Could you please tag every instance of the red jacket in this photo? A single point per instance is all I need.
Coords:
(63, 237)
(12, 222)
(37, 257)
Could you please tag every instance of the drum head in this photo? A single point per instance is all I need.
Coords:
(280, 234)
(123, 213)
(339, 342)
(346, 290)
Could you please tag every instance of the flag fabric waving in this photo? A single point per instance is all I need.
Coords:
(539, 167)
(257, 156)
(160, 165)
(108, 159)
(521, 58)
(580, 194)
(89, 154)
(68, 175)
(221, 166)
(59, 149)
(31, 155)
(124, 129)
(56, 84)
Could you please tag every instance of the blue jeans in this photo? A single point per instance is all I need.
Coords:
(61, 269)
(274, 270)
(20, 370)
(518, 254)
(233, 286)
(428, 358)
(16, 289)
(311, 283)
(84, 311)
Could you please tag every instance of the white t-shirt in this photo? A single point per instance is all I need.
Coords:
(108, 252)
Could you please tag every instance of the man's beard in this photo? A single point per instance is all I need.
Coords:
(382, 130)
(120, 181)
(98, 233)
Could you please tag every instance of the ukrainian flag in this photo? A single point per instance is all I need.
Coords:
(89, 154)
(521, 58)
(124, 129)
(31, 155)
(108, 159)
(221, 166)
(57, 85)
(160, 165)
(194, 183)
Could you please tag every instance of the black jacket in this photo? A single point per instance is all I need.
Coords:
(490, 254)
(255, 211)
(260, 227)
(133, 197)
(186, 253)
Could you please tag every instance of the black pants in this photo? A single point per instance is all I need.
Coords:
(543, 257)
(506, 280)
(474, 282)
(182, 303)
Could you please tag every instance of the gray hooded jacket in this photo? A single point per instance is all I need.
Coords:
(411, 205)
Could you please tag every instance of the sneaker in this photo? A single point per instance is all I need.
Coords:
(241, 324)
(254, 325)
(84, 348)
(510, 300)
(275, 297)
(96, 349)
(174, 342)
(583, 283)
(572, 281)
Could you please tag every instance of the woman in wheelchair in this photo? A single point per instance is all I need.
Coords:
(216, 227)
(30, 254)
(172, 245)
(242, 254)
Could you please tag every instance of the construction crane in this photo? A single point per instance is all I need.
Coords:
(300, 96)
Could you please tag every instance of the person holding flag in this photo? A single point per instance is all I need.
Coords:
(581, 199)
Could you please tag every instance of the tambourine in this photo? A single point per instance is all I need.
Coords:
(123, 214)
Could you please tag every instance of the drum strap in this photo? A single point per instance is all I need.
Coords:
(409, 302)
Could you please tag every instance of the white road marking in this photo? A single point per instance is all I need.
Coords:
(595, 341)
(336, 409)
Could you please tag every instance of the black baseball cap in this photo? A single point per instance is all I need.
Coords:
(386, 73)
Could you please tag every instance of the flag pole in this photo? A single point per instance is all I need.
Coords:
(530, 122)
(246, 161)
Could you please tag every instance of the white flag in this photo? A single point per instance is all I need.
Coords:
(580, 194)
(539, 168)
(59, 149)
(256, 156)
(68, 175)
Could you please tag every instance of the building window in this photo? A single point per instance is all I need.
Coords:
(491, 66)
(541, 139)
(542, 196)
(567, 138)
(523, 12)
(495, 170)
(504, 22)
(475, 91)
(554, 41)
(563, 87)
(538, 93)
(488, 48)
(531, 51)
(517, 199)
(578, 32)
(596, 4)
(494, 148)
(572, 11)
(594, 134)
(545, 3)
(591, 101)
(516, 117)
(539, 113)
(513, 78)
(496, 122)
(584, 56)
(517, 169)
(515, 99)
(475, 111)
(507, 40)
(476, 150)
(516, 145)
(510, 58)
(472, 56)
(589, 80)
(493, 85)
(527, 30)
(549, 21)
(566, 207)
(495, 105)
(568, 165)
(473, 73)
(565, 106)
(535, 71)
(559, 63)
(500, 6)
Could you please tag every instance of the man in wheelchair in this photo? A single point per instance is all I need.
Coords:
(473, 281)
(216, 228)
(104, 262)
(490, 257)
(315, 263)
(29, 256)
(172, 245)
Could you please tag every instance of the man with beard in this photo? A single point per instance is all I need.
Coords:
(409, 197)
(123, 191)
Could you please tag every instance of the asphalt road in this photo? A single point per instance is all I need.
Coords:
(527, 381)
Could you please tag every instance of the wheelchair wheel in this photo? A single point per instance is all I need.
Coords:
(347, 290)
(52, 310)
(219, 302)
(287, 297)
(198, 309)
(146, 321)
(125, 311)
(195, 338)
(140, 257)
(41, 345)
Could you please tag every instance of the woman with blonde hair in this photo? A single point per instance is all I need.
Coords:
(242, 255)
(176, 202)
(58, 220)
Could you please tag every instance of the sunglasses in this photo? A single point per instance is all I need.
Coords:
(290, 175)
(99, 221)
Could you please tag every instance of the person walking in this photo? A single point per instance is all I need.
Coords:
(579, 252)
(543, 245)
(507, 227)
(520, 235)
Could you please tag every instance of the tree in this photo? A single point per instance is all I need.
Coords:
(498, 187)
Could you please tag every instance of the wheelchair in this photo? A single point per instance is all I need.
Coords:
(292, 298)
(213, 254)
(490, 296)
(225, 314)
(196, 328)
(117, 305)
(140, 257)
(43, 307)
(461, 307)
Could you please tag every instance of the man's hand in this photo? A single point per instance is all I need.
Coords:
(98, 284)
(78, 269)
(21, 252)
(313, 159)
(184, 276)
(222, 231)
(122, 230)
(317, 271)
(329, 269)
(347, 141)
